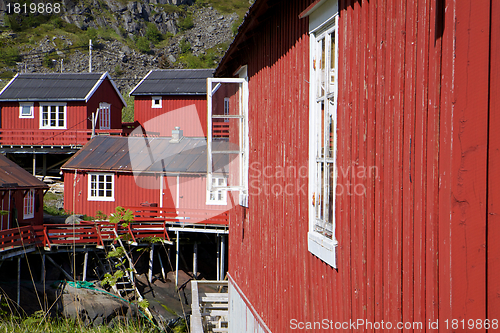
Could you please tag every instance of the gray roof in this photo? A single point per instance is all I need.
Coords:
(35, 87)
(173, 82)
(148, 155)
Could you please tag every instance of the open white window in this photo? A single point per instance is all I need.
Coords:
(322, 139)
(216, 195)
(156, 102)
(101, 187)
(227, 155)
(53, 115)
(26, 110)
(29, 205)
(104, 116)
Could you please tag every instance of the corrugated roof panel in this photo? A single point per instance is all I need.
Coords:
(13, 176)
(174, 82)
(137, 154)
(50, 87)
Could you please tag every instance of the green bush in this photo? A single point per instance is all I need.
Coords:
(9, 56)
(142, 44)
(185, 46)
(152, 33)
(185, 23)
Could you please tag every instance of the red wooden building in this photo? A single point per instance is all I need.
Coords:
(21, 196)
(162, 172)
(371, 124)
(47, 110)
(165, 99)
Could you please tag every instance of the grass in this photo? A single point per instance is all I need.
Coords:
(38, 324)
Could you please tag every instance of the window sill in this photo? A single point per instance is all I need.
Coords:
(216, 203)
(100, 199)
(323, 248)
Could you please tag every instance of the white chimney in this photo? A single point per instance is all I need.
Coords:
(176, 135)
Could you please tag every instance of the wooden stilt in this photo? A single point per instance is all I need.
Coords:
(34, 164)
(42, 272)
(44, 165)
(177, 259)
(85, 263)
(222, 254)
(66, 274)
(195, 260)
(218, 257)
(161, 266)
(150, 272)
(18, 281)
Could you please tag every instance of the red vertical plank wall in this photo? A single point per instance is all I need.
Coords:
(192, 123)
(417, 88)
(493, 217)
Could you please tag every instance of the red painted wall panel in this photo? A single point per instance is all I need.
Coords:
(187, 112)
(192, 193)
(415, 94)
(13, 203)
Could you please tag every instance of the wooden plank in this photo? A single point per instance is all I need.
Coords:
(469, 173)
(493, 264)
(420, 138)
(379, 163)
(409, 162)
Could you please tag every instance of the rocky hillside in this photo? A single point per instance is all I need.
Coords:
(129, 38)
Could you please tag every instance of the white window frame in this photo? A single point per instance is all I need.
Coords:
(104, 115)
(322, 184)
(29, 205)
(243, 152)
(30, 115)
(153, 100)
(94, 196)
(220, 181)
(50, 105)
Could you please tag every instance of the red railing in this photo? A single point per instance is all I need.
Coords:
(148, 222)
(220, 130)
(41, 137)
(180, 215)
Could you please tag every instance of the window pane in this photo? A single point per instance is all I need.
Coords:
(321, 69)
(332, 61)
(26, 110)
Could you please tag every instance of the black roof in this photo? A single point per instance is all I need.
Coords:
(37, 87)
(173, 82)
(148, 155)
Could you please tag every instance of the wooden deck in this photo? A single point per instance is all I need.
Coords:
(148, 222)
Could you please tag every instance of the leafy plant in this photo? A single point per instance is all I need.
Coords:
(185, 23)
(185, 46)
(142, 44)
(152, 33)
(121, 214)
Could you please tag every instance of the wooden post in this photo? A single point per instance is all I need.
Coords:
(42, 273)
(150, 272)
(34, 164)
(161, 265)
(177, 259)
(18, 281)
(222, 254)
(85, 264)
(44, 164)
(68, 276)
(195, 260)
(218, 257)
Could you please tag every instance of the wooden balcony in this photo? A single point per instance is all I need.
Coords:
(42, 137)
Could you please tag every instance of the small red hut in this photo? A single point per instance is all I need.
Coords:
(47, 110)
(172, 97)
(21, 196)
